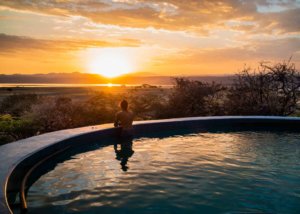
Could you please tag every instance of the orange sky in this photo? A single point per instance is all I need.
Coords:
(172, 37)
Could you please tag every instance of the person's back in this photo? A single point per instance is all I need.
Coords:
(124, 119)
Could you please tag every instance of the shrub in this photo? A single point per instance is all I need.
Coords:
(61, 113)
(194, 98)
(273, 90)
(147, 105)
(18, 104)
(12, 129)
(53, 114)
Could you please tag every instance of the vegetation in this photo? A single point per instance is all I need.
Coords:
(269, 90)
(273, 90)
(12, 129)
(194, 98)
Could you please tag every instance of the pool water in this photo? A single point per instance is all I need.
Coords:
(194, 173)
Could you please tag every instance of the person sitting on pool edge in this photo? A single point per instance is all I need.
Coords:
(124, 119)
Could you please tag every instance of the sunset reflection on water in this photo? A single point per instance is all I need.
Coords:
(188, 172)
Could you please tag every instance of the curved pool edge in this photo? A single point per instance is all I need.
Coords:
(13, 154)
(24, 153)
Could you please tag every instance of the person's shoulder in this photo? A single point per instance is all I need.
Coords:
(130, 113)
(118, 113)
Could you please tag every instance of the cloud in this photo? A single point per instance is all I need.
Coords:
(276, 49)
(12, 43)
(273, 50)
(284, 22)
(196, 15)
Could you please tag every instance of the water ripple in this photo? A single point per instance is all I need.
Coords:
(207, 172)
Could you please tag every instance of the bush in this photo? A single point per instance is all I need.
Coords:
(194, 98)
(13, 129)
(100, 108)
(273, 90)
(61, 113)
(18, 104)
(147, 105)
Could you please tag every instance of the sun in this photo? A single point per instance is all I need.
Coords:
(110, 62)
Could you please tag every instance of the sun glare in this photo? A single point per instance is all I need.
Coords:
(110, 62)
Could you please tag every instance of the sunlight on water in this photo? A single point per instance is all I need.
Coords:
(49, 85)
(209, 173)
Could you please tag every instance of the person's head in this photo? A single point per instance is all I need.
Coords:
(124, 105)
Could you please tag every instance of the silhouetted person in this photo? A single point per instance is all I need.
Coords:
(124, 119)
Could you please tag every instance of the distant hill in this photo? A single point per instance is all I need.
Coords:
(73, 78)
(86, 78)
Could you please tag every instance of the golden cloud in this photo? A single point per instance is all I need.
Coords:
(12, 43)
(193, 15)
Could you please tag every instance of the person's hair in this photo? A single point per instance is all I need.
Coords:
(124, 104)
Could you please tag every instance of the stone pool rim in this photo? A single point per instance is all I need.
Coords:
(23, 153)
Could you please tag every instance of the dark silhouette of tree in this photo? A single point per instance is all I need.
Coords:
(194, 98)
(272, 90)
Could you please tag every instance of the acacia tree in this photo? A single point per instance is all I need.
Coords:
(271, 90)
(194, 98)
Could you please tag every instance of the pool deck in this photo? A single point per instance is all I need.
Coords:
(13, 154)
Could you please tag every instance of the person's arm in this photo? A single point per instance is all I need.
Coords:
(116, 123)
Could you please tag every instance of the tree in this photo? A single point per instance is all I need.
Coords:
(194, 98)
(272, 90)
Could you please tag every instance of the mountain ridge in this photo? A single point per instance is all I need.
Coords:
(88, 78)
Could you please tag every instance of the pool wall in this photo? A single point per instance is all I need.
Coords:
(18, 157)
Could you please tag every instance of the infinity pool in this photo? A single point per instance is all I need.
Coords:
(195, 173)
